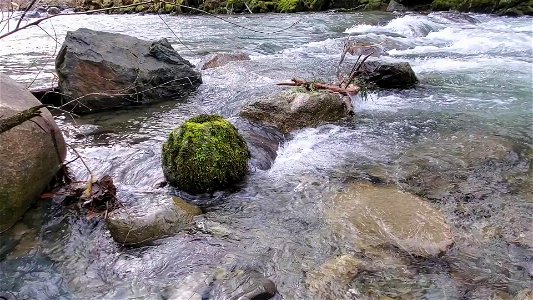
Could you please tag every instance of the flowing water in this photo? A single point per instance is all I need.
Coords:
(438, 141)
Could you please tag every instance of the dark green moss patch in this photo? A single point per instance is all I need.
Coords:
(205, 154)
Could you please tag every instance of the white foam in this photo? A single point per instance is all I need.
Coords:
(407, 26)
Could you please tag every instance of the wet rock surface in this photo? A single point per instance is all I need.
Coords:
(30, 153)
(263, 142)
(292, 111)
(373, 216)
(156, 218)
(389, 75)
(101, 70)
(241, 284)
(333, 277)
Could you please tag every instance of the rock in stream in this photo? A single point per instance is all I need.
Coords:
(101, 70)
(373, 216)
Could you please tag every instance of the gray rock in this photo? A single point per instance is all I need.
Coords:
(30, 153)
(291, 111)
(263, 142)
(375, 216)
(151, 220)
(389, 75)
(222, 59)
(101, 70)
(53, 10)
(395, 6)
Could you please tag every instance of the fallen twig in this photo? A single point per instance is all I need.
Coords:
(309, 85)
(19, 118)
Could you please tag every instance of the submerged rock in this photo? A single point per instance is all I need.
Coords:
(53, 10)
(205, 154)
(30, 153)
(101, 70)
(221, 59)
(151, 220)
(389, 75)
(291, 111)
(333, 277)
(241, 284)
(374, 216)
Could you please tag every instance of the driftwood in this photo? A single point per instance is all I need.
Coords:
(309, 85)
(19, 118)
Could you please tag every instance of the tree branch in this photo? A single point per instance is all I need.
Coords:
(346, 91)
(19, 118)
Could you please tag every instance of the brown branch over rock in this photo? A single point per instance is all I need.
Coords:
(309, 85)
(19, 118)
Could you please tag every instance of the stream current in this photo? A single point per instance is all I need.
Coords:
(436, 141)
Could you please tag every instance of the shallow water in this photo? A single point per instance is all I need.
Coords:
(439, 141)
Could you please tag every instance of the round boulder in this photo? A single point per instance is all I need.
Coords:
(30, 153)
(205, 154)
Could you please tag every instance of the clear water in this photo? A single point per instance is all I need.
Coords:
(475, 89)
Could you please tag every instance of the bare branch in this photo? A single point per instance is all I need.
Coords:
(19, 118)
(25, 12)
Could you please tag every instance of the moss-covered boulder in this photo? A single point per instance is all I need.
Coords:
(205, 154)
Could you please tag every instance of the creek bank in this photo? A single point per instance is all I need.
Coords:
(373, 216)
(205, 154)
(507, 7)
(151, 219)
(100, 71)
(30, 153)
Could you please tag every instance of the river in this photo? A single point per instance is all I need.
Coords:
(475, 95)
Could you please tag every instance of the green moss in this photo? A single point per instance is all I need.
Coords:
(374, 5)
(315, 5)
(447, 4)
(289, 5)
(205, 154)
(235, 5)
(168, 8)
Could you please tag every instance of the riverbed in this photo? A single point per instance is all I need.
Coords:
(461, 140)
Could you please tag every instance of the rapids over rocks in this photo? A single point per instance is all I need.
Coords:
(460, 142)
